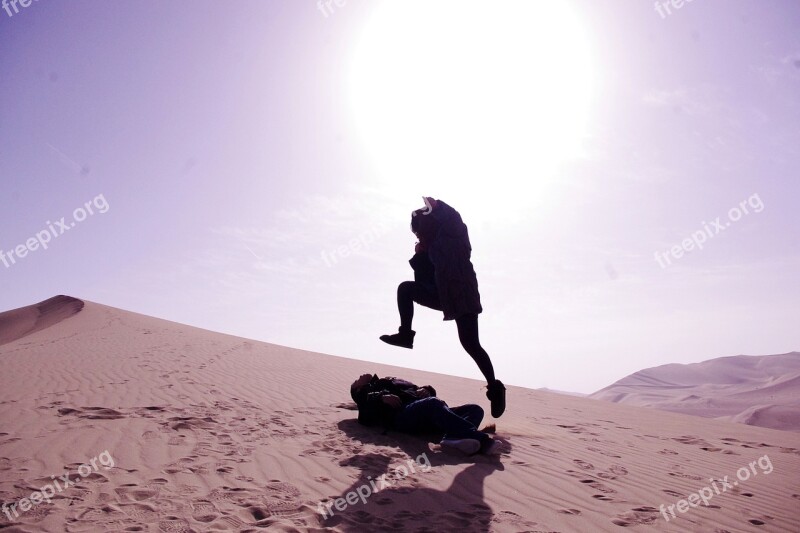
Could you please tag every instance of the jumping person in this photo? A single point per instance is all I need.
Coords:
(445, 280)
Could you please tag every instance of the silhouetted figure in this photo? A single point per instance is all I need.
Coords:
(445, 280)
(399, 404)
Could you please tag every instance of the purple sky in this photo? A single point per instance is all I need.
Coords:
(222, 140)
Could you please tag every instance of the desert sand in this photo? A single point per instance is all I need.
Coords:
(159, 426)
(758, 390)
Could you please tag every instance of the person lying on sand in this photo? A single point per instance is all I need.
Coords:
(399, 404)
(445, 280)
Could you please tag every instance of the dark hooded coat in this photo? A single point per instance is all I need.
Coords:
(444, 236)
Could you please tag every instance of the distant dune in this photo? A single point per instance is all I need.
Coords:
(130, 423)
(756, 390)
(578, 394)
(24, 321)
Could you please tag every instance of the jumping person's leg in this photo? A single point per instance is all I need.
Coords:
(408, 293)
(468, 335)
(405, 304)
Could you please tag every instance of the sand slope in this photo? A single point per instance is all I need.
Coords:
(210, 432)
(24, 321)
(756, 390)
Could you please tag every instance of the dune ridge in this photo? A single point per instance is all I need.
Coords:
(756, 390)
(211, 432)
(19, 323)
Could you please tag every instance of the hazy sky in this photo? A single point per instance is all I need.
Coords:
(251, 168)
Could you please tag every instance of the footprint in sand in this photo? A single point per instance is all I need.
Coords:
(255, 506)
(91, 413)
(603, 452)
(613, 472)
(691, 439)
(508, 518)
(685, 476)
(583, 464)
(174, 524)
(130, 492)
(544, 449)
(636, 517)
(618, 470)
(141, 512)
(760, 520)
(598, 486)
(204, 511)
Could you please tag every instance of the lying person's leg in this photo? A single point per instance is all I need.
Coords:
(470, 412)
(432, 413)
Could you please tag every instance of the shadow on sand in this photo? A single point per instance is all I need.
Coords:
(396, 487)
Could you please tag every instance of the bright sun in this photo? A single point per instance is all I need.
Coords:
(473, 102)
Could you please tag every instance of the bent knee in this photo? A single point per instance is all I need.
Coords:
(432, 400)
(477, 410)
(406, 286)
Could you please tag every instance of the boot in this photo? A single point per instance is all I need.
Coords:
(496, 394)
(404, 338)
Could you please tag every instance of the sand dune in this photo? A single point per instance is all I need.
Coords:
(756, 390)
(25, 321)
(179, 429)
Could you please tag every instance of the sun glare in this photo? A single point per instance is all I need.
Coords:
(471, 101)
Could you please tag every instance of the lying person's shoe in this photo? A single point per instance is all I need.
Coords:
(404, 338)
(496, 394)
(466, 446)
(493, 448)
